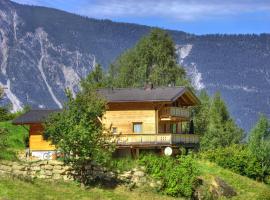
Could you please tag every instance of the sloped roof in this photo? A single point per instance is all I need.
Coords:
(34, 116)
(159, 94)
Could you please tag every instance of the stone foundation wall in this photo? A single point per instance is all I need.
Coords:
(56, 170)
(51, 169)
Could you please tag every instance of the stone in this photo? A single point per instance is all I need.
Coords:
(35, 168)
(42, 162)
(55, 162)
(32, 173)
(57, 167)
(16, 166)
(143, 180)
(219, 188)
(135, 180)
(111, 174)
(48, 173)
(159, 183)
(139, 173)
(67, 178)
(153, 184)
(5, 162)
(142, 168)
(5, 168)
(48, 167)
(125, 176)
(67, 168)
(57, 171)
(3, 172)
(42, 176)
(200, 193)
(19, 172)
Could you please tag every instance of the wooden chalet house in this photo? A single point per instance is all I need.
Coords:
(141, 119)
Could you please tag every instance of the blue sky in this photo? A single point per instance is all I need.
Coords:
(194, 16)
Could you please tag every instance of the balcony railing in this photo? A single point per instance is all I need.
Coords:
(175, 112)
(158, 139)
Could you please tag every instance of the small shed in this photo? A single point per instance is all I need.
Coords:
(34, 119)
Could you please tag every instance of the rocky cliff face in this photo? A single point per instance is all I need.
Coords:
(35, 70)
(43, 51)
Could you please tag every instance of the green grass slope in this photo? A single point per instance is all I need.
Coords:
(16, 189)
(15, 140)
(247, 189)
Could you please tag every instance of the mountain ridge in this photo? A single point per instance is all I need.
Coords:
(45, 50)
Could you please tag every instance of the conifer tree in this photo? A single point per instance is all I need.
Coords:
(95, 79)
(259, 144)
(222, 130)
(201, 113)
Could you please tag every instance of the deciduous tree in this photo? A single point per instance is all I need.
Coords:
(153, 59)
(79, 134)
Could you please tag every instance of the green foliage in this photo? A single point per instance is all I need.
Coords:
(245, 187)
(12, 139)
(177, 175)
(221, 130)
(153, 59)
(201, 113)
(259, 144)
(6, 114)
(123, 164)
(17, 189)
(237, 158)
(78, 132)
(96, 78)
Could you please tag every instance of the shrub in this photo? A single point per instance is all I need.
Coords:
(12, 140)
(237, 158)
(123, 164)
(177, 175)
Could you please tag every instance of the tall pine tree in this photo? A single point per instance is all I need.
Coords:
(201, 113)
(259, 144)
(221, 130)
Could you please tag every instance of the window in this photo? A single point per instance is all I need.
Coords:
(114, 130)
(137, 127)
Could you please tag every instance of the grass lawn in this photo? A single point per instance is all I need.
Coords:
(15, 140)
(247, 189)
(11, 188)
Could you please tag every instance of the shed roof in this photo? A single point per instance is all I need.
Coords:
(34, 116)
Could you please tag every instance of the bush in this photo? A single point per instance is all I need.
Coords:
(238, 159)
(123, 164)
(178, 176)
(12, 140)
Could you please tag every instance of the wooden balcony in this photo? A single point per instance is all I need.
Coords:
(169, 113)
(161, 139)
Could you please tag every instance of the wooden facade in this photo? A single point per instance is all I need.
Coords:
(36, 140)
(163, 124)
(139, 119)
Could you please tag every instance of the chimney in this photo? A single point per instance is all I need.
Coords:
(148, 86)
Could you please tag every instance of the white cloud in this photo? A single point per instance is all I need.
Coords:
(181, 10)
